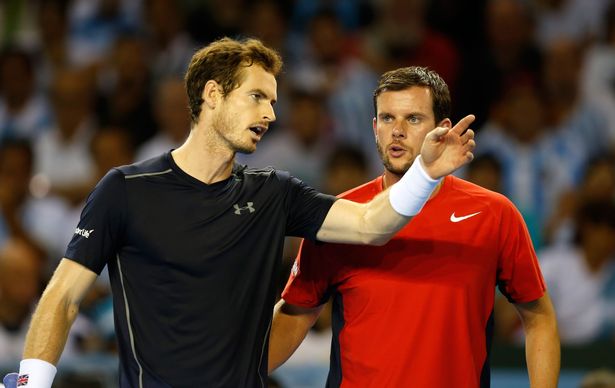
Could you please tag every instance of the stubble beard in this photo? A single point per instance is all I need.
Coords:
(227, 130)
(388, 165)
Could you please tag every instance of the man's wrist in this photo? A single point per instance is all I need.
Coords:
(408, 196)
(35, 373)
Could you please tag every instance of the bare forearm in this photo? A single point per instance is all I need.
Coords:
(287, 333)
(373, 223)
(542, 351)
(49, 328)
(542, 348)
(57, 310)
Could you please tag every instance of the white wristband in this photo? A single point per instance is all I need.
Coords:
(408, 196)
(35, 373)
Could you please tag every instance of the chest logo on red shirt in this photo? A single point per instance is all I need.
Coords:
(461, 218)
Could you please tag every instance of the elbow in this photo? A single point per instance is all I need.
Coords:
(376, 240)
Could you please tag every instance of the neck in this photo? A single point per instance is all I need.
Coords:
(204, 158)
(390, 178)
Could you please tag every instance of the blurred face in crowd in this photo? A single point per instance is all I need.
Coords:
(172, 109)
(16, 80)
(72, 97)
(307, 119)
(403, 119)
(19, 261)
(111, 147)
(15, 172)
(523, 111)
(242, 117)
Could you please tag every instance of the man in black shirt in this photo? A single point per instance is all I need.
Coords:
(192, 240)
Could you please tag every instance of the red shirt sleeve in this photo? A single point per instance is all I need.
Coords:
(519, 276)
(308, 284)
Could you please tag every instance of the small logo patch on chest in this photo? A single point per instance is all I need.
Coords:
(248, 208)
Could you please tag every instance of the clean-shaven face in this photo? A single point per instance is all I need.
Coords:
(244, 115)
(403, 120)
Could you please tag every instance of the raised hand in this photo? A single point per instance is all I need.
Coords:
(445, 149)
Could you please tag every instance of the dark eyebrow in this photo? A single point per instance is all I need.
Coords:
(260, 91)
(416, 114)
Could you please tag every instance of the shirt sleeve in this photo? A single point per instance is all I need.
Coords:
(308, 284)
(307, 209)
(519, 275)
(98, 234)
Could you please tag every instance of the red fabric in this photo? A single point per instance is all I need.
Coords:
(415, 311)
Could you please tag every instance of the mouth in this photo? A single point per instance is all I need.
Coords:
(258, 129)
(396, 151)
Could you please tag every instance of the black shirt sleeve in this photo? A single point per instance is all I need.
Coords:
(98, 234)
(307, 209)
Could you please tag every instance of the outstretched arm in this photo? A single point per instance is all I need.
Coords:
(444, 150)
(290, 325)
(542, 347)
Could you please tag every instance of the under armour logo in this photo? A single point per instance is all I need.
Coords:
(248, 207)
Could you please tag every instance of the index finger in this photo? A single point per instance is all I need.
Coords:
(463, 124)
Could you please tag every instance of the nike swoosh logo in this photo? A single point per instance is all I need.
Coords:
(458, 219)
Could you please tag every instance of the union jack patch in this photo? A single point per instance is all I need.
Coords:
(22, 380)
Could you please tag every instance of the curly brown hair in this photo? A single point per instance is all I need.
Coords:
(223, 61)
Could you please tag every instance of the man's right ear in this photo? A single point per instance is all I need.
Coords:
(212, 94)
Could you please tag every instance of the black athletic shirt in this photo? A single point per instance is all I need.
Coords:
(193, 267)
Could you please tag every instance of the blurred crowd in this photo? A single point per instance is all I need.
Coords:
(86, 85)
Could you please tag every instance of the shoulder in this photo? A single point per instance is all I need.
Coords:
(150, 166)
(471, 191)
(364, 192)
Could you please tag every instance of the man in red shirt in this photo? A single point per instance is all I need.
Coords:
(418, 311)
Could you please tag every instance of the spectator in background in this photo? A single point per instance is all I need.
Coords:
(266, 20)
(598, 73)
(171, 46)
(516, 135)
(508, 50)
(210, 20)
(578, 20)
(301, 145)
(22, 215)
(485, 171)
(62, 154)
(401, 37)
(172, 119)
(598, 185)
(330, 67)
(578, 121)
(126, 89)
(24, 112)
(20, 286)
(95, 24)
(345, 168)
(52, 49)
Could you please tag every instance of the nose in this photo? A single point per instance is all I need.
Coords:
(399, 130)
(269, 114)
